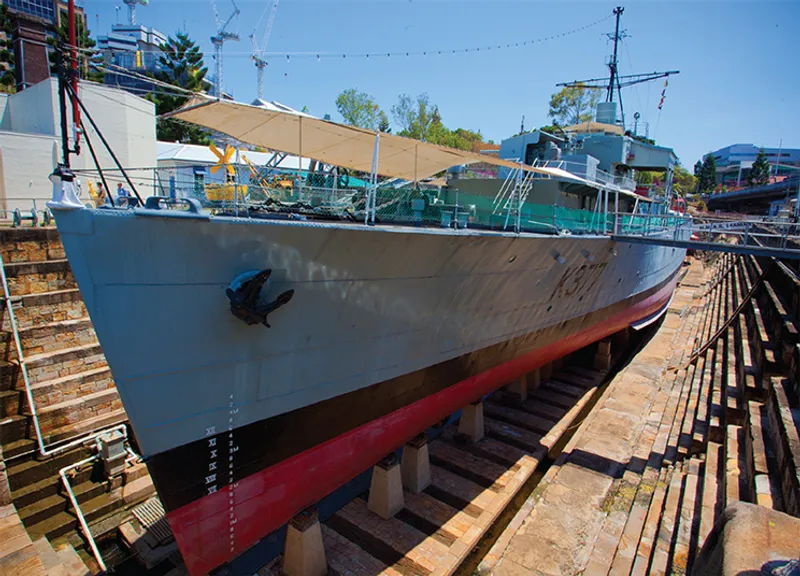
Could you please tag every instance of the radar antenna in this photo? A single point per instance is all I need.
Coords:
(615, 81)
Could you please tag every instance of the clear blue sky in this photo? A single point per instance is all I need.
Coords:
(739, 80)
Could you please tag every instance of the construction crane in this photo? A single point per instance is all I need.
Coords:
(222, 36)
(131, 4)
(258, 53)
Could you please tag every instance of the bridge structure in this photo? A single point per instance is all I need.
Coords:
(755, 236)
(755, 199)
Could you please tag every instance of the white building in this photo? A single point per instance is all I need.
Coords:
(30, 141)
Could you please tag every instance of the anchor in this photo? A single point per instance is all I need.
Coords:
(245, 300)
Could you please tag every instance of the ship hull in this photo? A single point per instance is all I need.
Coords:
(264, 501)
(390, 330)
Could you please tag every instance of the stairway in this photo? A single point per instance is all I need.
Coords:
(72, 388)
(722, 431)
(70, 380)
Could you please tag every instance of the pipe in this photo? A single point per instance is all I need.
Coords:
(73, 57)
(81, 519)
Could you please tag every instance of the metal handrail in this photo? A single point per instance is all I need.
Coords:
(81, 518)
(43, 450)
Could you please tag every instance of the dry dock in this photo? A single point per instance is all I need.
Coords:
(700, 418)
(615, 460)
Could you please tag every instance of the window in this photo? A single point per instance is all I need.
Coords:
(45, 9)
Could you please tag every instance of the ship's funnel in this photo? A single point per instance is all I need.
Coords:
(607, 112)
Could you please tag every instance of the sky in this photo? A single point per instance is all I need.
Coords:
(739, 78)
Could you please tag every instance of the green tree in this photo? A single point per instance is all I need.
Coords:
(414, 117)
(8, 81)
(683, 182)
(759, 171)
(573, 105)
(86, 60)
(383, 123)
(647, 177)
(358, 109)
(182, 65)
(708, 174)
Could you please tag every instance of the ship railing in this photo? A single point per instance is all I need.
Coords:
(763, 235)
(580, 169)
(404, 203)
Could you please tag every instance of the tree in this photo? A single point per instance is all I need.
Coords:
(181, 65)
(383, 123)
(8, 81)
(573, 105)
(683, 182)
(708, 174)
(358, 109)
(759, 171)
(87, 60)
(414, 117)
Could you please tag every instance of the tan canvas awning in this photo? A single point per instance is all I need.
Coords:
(330, 142)
(594, 127)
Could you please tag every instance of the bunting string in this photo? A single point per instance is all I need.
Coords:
(328, 55)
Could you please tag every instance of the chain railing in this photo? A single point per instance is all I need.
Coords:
(19, 212)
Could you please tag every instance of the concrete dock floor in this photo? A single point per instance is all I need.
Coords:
(573, 521)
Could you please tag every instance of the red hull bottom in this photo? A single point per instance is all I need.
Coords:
(216, 528)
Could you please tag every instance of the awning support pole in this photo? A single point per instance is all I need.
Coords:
(236, 183)
(372, 193)
(616, 213)
(300, 150)
(518, 186)
(416, 150)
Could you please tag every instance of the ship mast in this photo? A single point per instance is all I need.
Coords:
(612, 65)
(615, 81)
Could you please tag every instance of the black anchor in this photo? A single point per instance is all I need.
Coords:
(244, 300)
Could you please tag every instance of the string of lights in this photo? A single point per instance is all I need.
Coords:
(288, 55)
(409, 53)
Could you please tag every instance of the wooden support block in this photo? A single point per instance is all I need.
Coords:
(519, 387)
(602, 359)
(534, 379)
(304, 554)
(386, 488)
(622, 338)
(471, 422)
(416, 465)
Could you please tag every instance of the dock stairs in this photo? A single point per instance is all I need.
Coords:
(724, 428)
(705, 416)
(73, 391)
